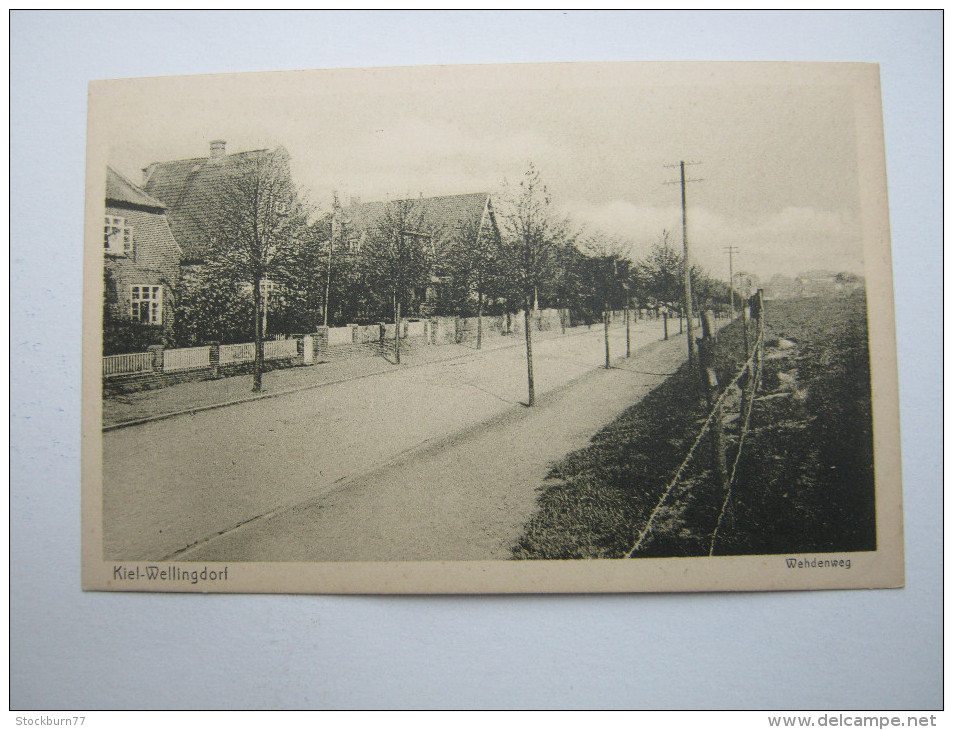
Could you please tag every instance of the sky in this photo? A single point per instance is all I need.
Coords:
(779, 164)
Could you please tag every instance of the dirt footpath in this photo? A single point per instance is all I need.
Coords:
(464, 496)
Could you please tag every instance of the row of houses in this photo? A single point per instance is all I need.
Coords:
(155, 240)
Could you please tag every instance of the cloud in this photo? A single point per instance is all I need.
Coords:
(410, 155)
(790, 240)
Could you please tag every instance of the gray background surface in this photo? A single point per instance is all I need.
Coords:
(75, 650)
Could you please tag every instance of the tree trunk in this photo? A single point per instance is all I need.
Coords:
(396, 331)
(529, 353)
(605, 325)
(259, 344)
(628, 332)
(480, 320)
(327, 285)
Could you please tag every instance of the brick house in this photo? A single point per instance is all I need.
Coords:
(191, 189)
(140, 268)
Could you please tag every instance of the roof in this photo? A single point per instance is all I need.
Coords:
(119, 189)
(188, 187)
(443, 211)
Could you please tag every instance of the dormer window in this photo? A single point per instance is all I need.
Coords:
(117, 236)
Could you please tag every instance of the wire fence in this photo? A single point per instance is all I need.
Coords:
(746, 410)
(751, 371)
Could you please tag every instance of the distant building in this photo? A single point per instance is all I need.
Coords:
(140, 267)
(816, 283)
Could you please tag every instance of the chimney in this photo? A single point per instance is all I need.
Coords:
(216, 148)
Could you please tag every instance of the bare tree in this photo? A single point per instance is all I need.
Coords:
(255, 219)
(398, 257)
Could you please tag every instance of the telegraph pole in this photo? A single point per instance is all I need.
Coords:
(686, 263)
(731, 250)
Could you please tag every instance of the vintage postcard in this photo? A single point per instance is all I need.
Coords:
(518, 328)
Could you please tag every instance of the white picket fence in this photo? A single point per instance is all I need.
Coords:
(277, 349)
(133, 362)
(193, 358)
(244, 352)
(186, 358)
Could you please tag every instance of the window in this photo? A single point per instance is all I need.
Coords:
(117, 236)
(147, 304)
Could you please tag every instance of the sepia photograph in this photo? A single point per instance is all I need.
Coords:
(589, 327)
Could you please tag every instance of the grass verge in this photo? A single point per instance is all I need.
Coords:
(805, 479)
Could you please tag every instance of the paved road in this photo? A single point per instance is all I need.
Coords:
(246, 482)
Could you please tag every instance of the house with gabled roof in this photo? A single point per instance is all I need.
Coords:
(443, 213)
(443, 216)
(190, 189)
(140, 267)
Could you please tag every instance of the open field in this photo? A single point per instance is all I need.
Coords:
(805, 478)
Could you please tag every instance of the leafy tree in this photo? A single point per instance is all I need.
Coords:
(254, 226)
(570, 284)
(348, 299)
(658, 277)
(710, 293)
(397, 258)
(472, 263)
(608, 273)
(301, 276)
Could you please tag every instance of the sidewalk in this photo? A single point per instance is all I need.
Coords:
(175, 483)
(144, 406)
(465, 496)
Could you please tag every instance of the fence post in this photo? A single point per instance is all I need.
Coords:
(315, 343)
(321, 341)
(214, 357)
(707, 322)
(757, 310)
(744, 325)
(665, 323)
(760, 301)
(156, 351)
(747, 377)
(710, 386)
